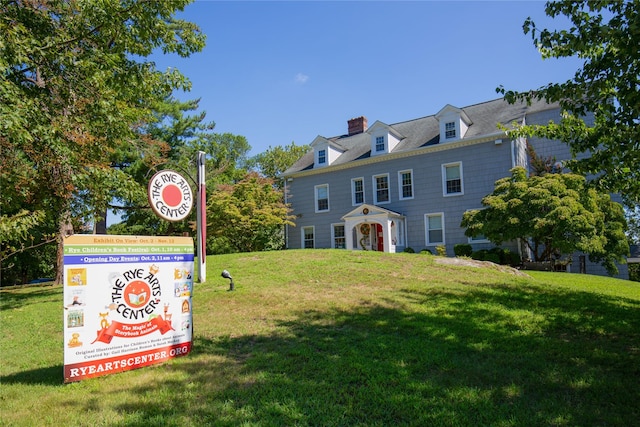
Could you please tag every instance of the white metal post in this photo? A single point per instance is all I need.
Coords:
(202, 220)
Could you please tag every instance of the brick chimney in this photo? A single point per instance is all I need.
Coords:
(357, 125)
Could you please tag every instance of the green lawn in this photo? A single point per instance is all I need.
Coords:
(337, 338)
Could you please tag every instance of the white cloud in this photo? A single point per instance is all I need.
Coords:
(301, 78)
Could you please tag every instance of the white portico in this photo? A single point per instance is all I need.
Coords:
(372, 228)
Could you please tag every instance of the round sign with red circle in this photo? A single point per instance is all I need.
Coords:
(170, 195)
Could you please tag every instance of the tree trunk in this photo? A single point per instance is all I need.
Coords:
(100, 226)
(65, 229)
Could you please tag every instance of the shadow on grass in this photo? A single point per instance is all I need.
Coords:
(488, 355)
(51, 376)
(40, 294)
(493, 357)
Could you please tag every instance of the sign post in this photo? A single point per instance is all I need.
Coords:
(202, 219)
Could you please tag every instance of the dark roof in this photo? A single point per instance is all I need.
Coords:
(425, 131)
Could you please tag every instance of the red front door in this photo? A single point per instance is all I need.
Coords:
(379, 239)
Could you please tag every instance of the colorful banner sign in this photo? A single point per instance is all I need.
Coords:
(127, 302)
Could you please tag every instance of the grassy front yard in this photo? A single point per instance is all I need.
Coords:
(337, 338)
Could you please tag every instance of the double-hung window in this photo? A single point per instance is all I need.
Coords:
(450, 130)
(381, 186)
(322, 197)
(308, 241)
(452, 179)
(357, 191)
(405, 182)
(379, 144)
(434, 226)
(322, 157)
(339, 241)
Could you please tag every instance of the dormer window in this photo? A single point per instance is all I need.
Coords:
(325, 152)
(450, 130)
(384, 138)
(322, 157)
(454, 123)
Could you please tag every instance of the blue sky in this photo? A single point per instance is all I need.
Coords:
(277, 72)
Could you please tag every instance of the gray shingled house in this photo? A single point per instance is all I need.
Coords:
(388, 187)
(634, 256)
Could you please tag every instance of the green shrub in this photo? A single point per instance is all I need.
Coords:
(426, 252)
(514, 259)
(492, 257)
(501, 254)
(409, 250)
(462, 249)
(479, 255)
(441, 250)
(504, 255)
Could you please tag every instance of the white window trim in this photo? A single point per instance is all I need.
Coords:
(353, 191)
(444, 179)
(375, 189)
(400, 192)
(384, 143)
(472, 240)
(426, 229)
(313, 228)
(333, 234)
(315, 198)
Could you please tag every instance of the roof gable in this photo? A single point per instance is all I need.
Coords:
(325, 142)
(371, 211)
(450, 110)
(325, 151)
(378, 126)
(384, 138)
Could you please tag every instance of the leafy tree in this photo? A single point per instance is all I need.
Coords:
(185, 134)
(73, 92)
(605, 35)
(20, 233)
(539, 165)
(247, 216)
(273, 162)
(166, 132)
(632, 214)
(553, 215)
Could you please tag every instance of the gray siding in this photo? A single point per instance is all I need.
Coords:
(482, 165)
(549, 148)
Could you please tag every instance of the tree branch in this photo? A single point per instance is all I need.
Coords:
(24, 248)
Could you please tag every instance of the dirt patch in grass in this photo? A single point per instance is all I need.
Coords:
(466, 262)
